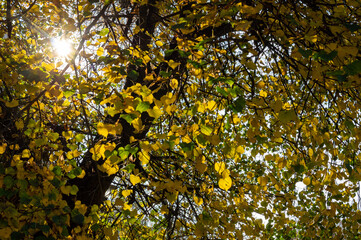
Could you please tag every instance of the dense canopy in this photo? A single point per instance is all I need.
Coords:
(145, 119)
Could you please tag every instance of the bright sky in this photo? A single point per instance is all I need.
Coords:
(62, 47)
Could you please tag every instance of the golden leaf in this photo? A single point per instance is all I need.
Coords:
(263, 93)
(159, 43)
(13, 103)
(225, 183)
(220, 167)
(126, 193)
(3, 148)
(307, 181)
(134, 179)
(156, 112)
(173, 64)
(102, 129)
(100, 51)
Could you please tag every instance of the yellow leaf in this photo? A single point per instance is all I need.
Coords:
(206, 130)
(313, 38)
(173, 83)
(310, 152)
(263, 93)
(262, 181)
(48, 66)
(137, 124)
(211, 105)
(97, 151)
(3, 148)
(199, 54)
(146, 59)
(26, 153)
(198, 200)
(126, 193)
(119, 202)
(173, 64)
(127, 206)
(220, 167)
(13, 103)
(159, 43)
(225, 183)
(156, 112)
(144, 157)
(102, 129)
(19, 124)
(100, 51)
(134, 179)
(240, 149)
(307, 181)
(261, 84)
(65, 189)
(192, 89)
(112, 170)
(82, 174)
(149, 77)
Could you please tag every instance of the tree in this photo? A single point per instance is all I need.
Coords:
(223, 119)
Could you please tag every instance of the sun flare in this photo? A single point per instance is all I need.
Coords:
(63, 47)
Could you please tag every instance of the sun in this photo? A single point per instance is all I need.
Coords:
(62, 47)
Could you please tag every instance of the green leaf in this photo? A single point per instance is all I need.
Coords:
(79, 137)
(77, 171)
(22, 183)
(353, 27)
(143, 106)
(17, 236)
(129, 168)
(305, 53)
(103, 32)
(238, 105)
(287, 116)
(335, 73)
(123, 153)
(59, 219)
(179, 26)
(133, 75)
(78, 219)
(187, 146)
(353, 68)
(8, 182)
(68, 93)
(222, 91)
(65, 231)
(206, 130)
(57, 170)
(74, 190)
(165, 74)
(128, 117)
(56, 182)
(323, 55)
(299, 168)
(71, 175)
(169, 52)
(53, 136)
(24, 197)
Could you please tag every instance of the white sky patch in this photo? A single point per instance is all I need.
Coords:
(62, 47)
(300, 186)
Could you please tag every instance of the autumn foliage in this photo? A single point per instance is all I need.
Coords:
(224, 119)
